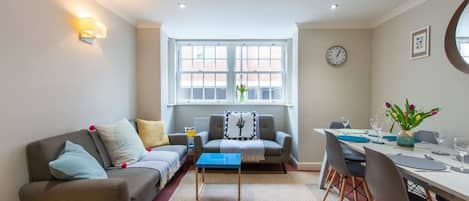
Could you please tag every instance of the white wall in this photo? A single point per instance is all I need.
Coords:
(326, 93)
(52, 83)
(427, 82)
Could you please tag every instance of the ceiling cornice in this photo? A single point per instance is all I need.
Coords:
(402, 8)
(333, 25)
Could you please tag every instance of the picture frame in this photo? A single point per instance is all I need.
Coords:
(420, 43)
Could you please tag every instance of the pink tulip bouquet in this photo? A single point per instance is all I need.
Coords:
(408, 117)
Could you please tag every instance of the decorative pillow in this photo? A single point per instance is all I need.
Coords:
(152, 133)
(76, 163)
(240, 125)
(122, 142)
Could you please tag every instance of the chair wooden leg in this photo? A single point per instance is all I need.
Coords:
(329, 186)
(329, 173)
(406, 184)
(367, 191)
(354, 185)
(342, 188)
(428, 195)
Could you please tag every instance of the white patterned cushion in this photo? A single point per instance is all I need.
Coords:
(240, 125)
(122, 142)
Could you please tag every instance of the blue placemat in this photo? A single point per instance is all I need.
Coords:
(351, 138)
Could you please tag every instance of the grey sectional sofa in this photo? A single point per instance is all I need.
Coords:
(277, 143)
(130, 184)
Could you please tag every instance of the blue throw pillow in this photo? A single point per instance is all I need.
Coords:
(76, 163)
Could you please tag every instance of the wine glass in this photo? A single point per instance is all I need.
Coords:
(345, 122)
(376, 125)
(461, 144)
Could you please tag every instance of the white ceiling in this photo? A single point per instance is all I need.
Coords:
(254, 18)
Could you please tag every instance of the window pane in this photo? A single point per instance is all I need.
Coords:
(276, 80)
(186, 65)
(186, 52)
(221, 80)
(264, 65)
(252, 84)
(221, 93)
(186, 80)
(238, 65)
(209, 80)
(221, 65)
(210, 52)
(221, 52)
(197, 65)
(253, 52)
(241, 51)
(252, 93)
(209, 93)
(264, 80)
(209, 65)
(197, 80)
(197, 93)
(240, 78)
(276, 65)
(198, 52)
(276, 52)
(265, 93)
(264, 52)
(185, 93)
(276, 93)
(252, 65)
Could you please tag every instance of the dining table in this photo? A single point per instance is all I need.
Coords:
(450, 184)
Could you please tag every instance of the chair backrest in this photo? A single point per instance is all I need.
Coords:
(338, 125)
(427, 136)
(384, 180)
(335, 154)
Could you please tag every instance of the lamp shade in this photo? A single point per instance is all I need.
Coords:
(90, 28)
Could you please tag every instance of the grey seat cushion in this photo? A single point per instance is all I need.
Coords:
(141, 182)
(212, 146)
(272, 148)
(180, 149)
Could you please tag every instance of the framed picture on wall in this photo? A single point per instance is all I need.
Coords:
(420, 43)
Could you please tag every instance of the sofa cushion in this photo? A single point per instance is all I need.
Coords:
(41, 152)
(272, 148)
(152, 133)
(181, 150)
(267, 127)
(216, 129)
(212, 146)
(141, 182)
(122, 142)
(76, 163)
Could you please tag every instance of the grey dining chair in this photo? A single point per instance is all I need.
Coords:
(427, 136)
(384, 179)
(349, 154)
(343, 169)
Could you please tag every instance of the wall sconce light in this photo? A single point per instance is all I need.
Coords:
(90, 29)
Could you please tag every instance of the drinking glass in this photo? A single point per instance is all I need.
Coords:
(377, 126)
(345, 122)
(461, 144)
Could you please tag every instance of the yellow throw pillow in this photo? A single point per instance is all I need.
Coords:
(152, 133)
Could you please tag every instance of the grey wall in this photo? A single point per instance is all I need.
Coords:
(427, 82)
(52, 83)
(184, 114)
(327, 93)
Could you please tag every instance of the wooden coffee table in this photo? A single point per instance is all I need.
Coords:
(219, 161)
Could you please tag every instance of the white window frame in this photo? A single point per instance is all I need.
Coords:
(231, 94)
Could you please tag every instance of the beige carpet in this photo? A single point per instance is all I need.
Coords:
(294, 186)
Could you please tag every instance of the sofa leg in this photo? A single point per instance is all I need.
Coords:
(284, 168)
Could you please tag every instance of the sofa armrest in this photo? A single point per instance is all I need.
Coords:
(77, 190)
(284, 140)
(178, 139)
(200, 140)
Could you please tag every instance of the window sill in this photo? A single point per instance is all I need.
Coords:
(230, 104)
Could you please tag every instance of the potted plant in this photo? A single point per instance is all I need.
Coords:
(242, 91)
(407, 118)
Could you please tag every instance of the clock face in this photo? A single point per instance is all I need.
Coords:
(336, 55)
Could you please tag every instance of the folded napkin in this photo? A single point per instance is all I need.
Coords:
(351, 138)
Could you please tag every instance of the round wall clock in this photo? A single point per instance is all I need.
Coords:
(336, 55)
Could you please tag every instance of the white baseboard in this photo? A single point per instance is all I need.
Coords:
(306, 165)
